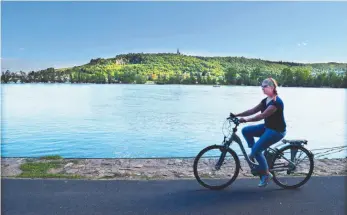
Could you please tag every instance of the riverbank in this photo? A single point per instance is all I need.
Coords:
(56, 167)
(170, 84)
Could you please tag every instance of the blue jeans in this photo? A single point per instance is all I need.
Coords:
(267, 138)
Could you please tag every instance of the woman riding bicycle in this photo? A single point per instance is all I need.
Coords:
(269, 132)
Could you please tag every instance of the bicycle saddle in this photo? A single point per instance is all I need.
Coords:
(299, 141)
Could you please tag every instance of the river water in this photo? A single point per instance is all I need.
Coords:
(109, 121)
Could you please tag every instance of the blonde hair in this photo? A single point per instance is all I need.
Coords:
(273, 83)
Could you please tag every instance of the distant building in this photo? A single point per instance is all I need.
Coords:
(178, 52)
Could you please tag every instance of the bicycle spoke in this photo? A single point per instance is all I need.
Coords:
(299, 161)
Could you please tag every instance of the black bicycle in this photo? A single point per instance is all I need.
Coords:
(283, 162)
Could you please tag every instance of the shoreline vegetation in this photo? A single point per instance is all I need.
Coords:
(176, 68)
(133, 169)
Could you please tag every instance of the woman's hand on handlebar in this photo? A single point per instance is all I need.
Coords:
(240, 120)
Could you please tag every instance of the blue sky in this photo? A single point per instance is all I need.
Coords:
(37, 35)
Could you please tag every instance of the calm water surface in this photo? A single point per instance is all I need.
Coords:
(107, 121)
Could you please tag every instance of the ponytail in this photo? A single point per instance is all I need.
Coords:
(275, 87)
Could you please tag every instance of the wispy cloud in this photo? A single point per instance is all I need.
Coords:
(302, 44)
(21, 49)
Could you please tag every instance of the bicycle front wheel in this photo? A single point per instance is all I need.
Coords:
(213, 174)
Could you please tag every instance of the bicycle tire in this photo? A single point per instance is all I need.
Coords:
(310, 156)
(236, 173)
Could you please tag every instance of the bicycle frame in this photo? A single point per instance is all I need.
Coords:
(253, 166)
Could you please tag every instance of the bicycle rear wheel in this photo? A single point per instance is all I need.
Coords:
(290, 176)
(208, 175)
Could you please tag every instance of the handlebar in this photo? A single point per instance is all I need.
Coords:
(233, 118)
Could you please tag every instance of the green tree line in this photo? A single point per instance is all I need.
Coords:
(169, 68)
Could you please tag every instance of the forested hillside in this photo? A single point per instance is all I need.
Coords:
(169, 68)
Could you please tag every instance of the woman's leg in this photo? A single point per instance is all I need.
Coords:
(249, 132)
(269, 138)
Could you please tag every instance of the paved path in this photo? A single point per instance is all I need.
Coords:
(321, 195)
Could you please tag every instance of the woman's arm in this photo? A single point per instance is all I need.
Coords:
(252, 111)
(270, 110)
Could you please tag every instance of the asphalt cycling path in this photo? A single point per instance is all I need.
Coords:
(321, 195)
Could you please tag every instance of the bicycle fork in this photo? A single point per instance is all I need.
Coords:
(221, 159)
